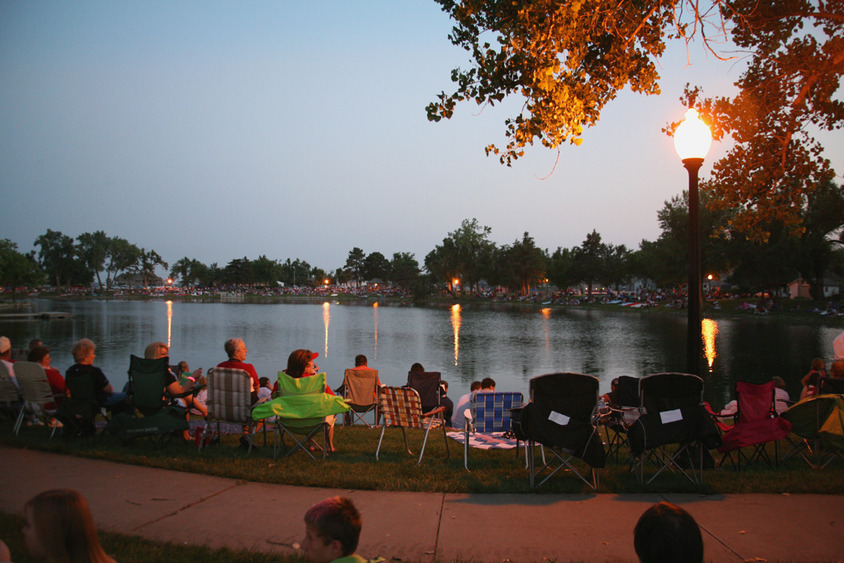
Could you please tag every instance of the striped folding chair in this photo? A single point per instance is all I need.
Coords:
(401, 407)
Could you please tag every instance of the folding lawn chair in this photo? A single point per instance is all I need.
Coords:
(489, 414)
(672, 415)
(156, 411)
(819, 422)
(229, 400)
(756, 424)
(37, 394)
(559, 417)
(427, 384)
(300, 410)
(10, 398)
(622, 414)
(402, 407)
(79, 411)
(360, 391)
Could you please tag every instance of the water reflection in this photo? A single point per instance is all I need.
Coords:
(375, 322)
(455, 324)
(546, 314)
(709, 330)
(169, 321)
(326, 320)
(510, 345)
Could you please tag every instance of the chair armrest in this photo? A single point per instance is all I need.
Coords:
(437, 410)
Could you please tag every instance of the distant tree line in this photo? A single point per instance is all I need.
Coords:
(467, 256)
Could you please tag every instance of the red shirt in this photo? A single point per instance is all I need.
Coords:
(248, 368)
(57, 385)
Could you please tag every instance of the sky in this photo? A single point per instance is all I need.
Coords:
(218, 130)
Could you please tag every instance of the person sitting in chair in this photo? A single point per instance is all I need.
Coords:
(174, 387)
(458, 418)
(236, 350)
(300, 363)
(83, 352)
(360, 364)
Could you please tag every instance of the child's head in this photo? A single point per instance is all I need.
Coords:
(59, 527)
(332, 530)
(779, 382)
(264, 381)
(183, 367)
(817, 364)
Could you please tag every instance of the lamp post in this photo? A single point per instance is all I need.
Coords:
(692, 140)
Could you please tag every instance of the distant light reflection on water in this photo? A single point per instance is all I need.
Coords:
(464, 342)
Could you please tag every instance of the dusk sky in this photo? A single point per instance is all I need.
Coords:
(218, 130)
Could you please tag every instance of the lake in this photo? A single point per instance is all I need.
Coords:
(510, 344)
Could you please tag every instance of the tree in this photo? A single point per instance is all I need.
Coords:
(266, 272)
(17, 269)
(569, 58)
(403, 269)
(146, 263)
(560, 270)
(355, 264)
(376, 265)
(92, 249)
(589, 261)
(58, 258)
(121, 256)
(526, 262)
(815, 248)
(239, 272)
(786, 92)
(617, 265)
(465, 255)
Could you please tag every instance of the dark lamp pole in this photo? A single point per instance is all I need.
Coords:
(692, 140)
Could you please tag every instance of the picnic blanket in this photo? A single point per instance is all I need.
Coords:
(485, 440)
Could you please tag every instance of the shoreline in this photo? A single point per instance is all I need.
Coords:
(728, 308)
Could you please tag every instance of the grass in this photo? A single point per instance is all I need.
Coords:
(354, 466)
(132, 549)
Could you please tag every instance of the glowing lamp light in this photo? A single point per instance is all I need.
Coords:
(692, 138)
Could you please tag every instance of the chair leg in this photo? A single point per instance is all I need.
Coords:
(383, 429)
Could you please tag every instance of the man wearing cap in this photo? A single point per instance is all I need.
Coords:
(6, 357)
(236, 350)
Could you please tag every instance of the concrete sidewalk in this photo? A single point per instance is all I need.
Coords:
(179, 507)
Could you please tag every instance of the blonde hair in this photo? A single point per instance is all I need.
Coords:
(81, 349)
(65, 528)
(156, 350)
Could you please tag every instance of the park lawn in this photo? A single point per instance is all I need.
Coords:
(354, 466)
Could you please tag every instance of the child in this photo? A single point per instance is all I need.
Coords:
(332, 531)
(810, 381)
(59, 527)
(783, 401)
(265, 392)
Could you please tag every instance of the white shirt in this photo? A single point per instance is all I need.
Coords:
(458, 417)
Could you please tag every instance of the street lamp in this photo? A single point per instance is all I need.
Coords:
(692, 140)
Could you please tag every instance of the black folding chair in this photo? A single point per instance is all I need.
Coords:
(674, 428)
(559, 417)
